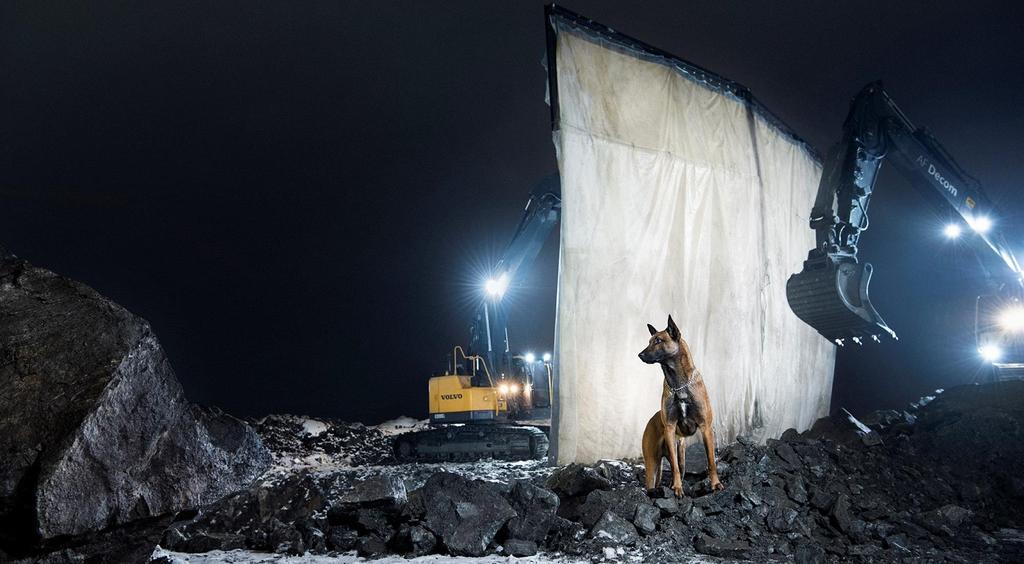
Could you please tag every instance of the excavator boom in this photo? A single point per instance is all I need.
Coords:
(831, 292)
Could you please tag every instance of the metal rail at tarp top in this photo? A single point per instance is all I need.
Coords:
(714, 81)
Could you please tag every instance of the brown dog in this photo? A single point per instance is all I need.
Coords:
(685, 408)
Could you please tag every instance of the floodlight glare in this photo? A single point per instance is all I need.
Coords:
(990, 353)
(547, 357)
(1012, 319)
(952, 231)
(496, 287)
(981, 224)
(514, 388)
(529, 358)
(503, 388)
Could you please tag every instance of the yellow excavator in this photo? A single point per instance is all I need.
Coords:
(491, 402)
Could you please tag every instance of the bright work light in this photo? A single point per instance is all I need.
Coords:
(1012, 319)
(952, 231)
(547, 357)
(496, 286)
(529, 358)
(503, 388)
(981, 224)
(990, 353)
(514, 388)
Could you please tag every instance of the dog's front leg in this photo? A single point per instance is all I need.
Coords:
(681, 445)
(673, 458)
(709, 448)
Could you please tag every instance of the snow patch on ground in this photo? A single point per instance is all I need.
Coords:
(312, 427)
(250, 557)
(403, 424)
(313, 462)
(299, 442)
(415, 475)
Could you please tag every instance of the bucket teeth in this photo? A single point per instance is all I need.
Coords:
(831, 295)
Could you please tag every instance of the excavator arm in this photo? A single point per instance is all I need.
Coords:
(489, 331)
(831, 292)
(484, 408)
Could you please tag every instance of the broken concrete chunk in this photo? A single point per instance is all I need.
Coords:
(535, 509)
(809, 553)
(796, 490)
(646, 518)
(465, 514)
(612, 529)
(565, 535)
(577, 479)
(787, 454)
(944, 520)
(415, 540)
(342, 539)
(841, 516)
(782, 519)
(622, 501)
(378, 490)
(667, 506)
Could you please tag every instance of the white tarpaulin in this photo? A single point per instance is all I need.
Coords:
(678, 197)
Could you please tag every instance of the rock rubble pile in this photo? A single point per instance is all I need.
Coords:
(298, 441)
(940, 481)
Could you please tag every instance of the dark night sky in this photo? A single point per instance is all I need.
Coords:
(299, 196)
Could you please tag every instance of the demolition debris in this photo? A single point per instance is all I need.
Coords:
(939, 481)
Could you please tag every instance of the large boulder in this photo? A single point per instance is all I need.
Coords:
(535, 510)
(577, 479)
(95, 430)
(623, 502)
(614, 530)
(465, 514)
(378, 491)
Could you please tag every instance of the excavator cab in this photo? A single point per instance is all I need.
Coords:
(999, 332)
(528, 390)
(831, 295)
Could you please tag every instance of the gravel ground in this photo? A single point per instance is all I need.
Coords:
(937, 482)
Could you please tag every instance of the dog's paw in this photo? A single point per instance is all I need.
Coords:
(678, 488)
(717, 486)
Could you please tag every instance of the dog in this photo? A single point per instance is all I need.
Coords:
(685, 409)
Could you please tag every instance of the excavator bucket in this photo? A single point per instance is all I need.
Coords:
(831, 295)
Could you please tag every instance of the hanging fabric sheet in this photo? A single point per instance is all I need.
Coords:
(681, 195)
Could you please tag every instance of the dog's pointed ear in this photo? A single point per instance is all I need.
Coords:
(651, 329)
(673, 331)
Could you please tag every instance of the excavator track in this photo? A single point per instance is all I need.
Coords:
(465, 443)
